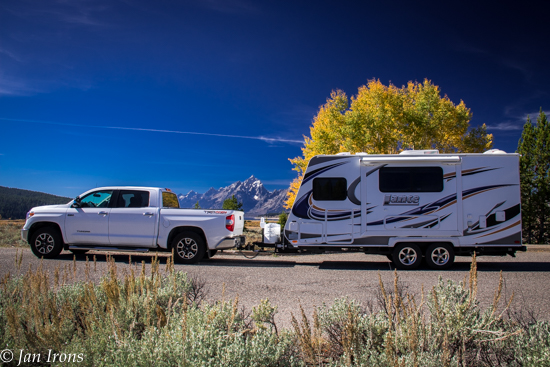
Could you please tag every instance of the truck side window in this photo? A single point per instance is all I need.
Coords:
(132, 199)
(170, 200)
(330, 188)
(97, 199)
(411, 179)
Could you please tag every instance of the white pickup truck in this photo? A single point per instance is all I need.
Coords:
(132, 219)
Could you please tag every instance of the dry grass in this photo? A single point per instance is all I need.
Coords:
(142, 316)
(10, 233)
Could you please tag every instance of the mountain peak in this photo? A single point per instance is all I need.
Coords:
(252, 193)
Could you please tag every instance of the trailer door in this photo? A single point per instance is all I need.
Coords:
(411, 197)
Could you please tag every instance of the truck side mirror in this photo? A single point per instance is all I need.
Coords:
(76, 202)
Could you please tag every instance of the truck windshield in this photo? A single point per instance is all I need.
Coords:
(170, 200)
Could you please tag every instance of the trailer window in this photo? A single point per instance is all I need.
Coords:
(330, 188)
(411, 179)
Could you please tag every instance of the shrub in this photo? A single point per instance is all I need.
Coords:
(142, 319)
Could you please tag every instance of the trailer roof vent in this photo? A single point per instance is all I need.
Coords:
(494, 151)
(420, 152)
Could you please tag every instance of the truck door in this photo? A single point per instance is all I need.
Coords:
(89, 223)
(133, 222)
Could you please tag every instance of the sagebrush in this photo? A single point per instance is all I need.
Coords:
(160, 316)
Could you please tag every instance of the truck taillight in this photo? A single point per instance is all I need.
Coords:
(230, 222)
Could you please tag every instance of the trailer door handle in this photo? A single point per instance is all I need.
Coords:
(148, 214)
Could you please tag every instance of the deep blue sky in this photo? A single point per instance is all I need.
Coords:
(72, 70)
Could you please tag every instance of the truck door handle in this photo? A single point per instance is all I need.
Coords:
(102, 213)
(148, 214)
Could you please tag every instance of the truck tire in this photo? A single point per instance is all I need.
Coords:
(188, 248)
(440, 256)
(407, 256)
(46, 242)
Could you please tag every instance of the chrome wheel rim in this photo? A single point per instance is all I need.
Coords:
(44, 243)
(407, 256)
(187, 248)
(440, 256)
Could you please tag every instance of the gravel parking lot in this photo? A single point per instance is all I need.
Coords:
(311, 280)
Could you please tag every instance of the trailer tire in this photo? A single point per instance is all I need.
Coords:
(46, 242)
(188, 248)
(440, 256)
(407, 256)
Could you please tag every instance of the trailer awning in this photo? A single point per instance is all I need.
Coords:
(449, 159)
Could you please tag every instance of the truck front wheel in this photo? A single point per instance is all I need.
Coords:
(46, 242)
(440, 256)
(188, 248)
(407, 256)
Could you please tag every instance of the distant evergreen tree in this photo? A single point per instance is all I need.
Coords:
(15, 203)
(534, 147)
(232, 204)
(197, 205)
(283, 217)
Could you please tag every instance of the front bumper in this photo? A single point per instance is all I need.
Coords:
(231, 242)
(25, 235)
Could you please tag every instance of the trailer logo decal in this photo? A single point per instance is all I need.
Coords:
(401, 199)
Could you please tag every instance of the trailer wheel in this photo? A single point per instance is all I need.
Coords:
(407, 256)
(46, 242)
(188, 248)
(440, 256)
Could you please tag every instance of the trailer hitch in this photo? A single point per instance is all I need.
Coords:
(251, 247)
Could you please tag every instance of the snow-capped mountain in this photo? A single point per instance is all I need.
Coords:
(256, 199)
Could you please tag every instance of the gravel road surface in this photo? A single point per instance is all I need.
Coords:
(311, 280)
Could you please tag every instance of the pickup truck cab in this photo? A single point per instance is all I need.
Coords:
(131, 219)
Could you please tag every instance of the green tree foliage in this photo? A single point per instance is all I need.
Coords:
(15, 203)
(197, 205)
(232, 204)
(386, 120)
(534, 168)
(283, 217)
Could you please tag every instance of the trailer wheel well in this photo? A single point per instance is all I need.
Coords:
(178, 230)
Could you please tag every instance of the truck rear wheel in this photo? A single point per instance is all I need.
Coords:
(188, 248)
(440, 256)
(407, 256)
(46, 242)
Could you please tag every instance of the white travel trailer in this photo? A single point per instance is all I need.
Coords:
(409, 206)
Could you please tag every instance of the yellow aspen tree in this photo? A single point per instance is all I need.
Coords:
(386, 120)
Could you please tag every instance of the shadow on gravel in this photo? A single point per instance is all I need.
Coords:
(248, 263)
(356, 265)
(482, 266)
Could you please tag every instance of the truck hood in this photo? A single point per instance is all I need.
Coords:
(48, 207)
